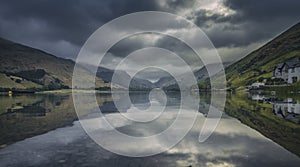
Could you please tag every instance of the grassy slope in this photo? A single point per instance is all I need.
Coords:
(16, 57)
(260, 63)
(10, 82)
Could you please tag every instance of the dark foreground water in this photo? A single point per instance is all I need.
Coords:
(38, 130)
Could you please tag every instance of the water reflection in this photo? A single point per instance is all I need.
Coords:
(288, 109)
(232, 144)
(23, 116)
(276, 117)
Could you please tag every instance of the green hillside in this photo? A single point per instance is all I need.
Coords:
(259, 64)
(23, 67)
(10, 81)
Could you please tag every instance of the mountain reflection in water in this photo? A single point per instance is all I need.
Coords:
(232, 144)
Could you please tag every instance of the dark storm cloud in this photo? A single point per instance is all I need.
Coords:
(69, 20)
(128, 45)
(264, 10)
(61, 27)
(252, 21)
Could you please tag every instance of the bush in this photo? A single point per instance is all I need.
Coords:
(260, 79)
(18, 81)
(31, 74)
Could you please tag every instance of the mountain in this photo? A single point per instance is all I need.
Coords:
(23, 67)
(166, 82)
(259, 64)
(170, 82)
(123, 77)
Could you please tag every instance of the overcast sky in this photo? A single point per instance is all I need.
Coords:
(61, 27)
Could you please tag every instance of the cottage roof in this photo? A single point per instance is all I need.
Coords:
(292, 64)
(289, 64)
(280, 65)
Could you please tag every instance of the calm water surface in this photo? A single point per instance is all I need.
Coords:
(255, 130)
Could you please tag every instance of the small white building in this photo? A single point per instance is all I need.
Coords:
(257, 85)
(289, 71)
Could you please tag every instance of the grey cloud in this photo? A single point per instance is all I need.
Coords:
(205, 18)
(47, 24)
(265, 10)
(173, 5)
(71, 21)
(129, 45)
(251, 22)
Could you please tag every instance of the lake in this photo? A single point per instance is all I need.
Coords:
(255, 130)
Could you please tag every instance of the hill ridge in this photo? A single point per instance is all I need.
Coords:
(39, 69)
(259, 64)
